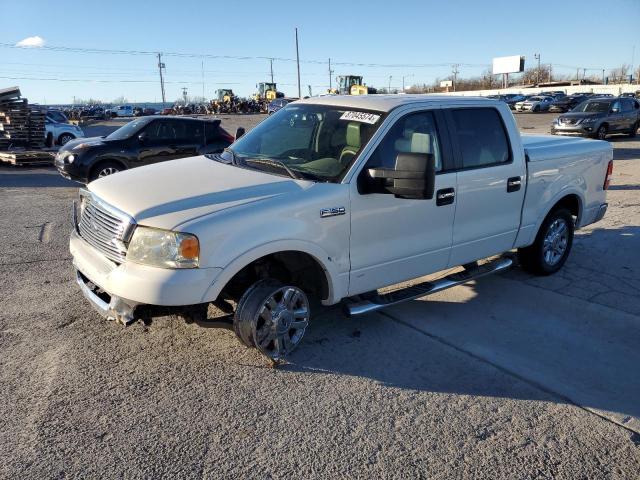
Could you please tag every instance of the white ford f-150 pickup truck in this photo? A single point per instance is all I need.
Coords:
(333, 198)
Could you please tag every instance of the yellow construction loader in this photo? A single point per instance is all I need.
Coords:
(352, 85)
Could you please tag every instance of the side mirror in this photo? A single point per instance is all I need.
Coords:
(414, 176)
(239, 132)
(143, 137)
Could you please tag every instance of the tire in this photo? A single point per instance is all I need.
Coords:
(634, 130)
(104, 169)
(552, 245)
(272, 317)
(601, 133)
(536, 109)
(65, 138)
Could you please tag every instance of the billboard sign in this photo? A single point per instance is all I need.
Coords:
(446, 83)
(513, 64)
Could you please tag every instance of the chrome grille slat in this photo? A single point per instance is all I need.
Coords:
(103, 228)
(111, 228)
(105, 218)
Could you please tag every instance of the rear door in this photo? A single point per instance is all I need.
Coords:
(490, 184)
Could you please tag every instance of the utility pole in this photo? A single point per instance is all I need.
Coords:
(271, 65)
(454, 71)
(584, 73)
(389, 91)
(537, 57)
(202, 69)
(184, 94)
(160, 67)
(550, 75)
(330, 75)
(298, 62)
(403, 77)
(603, 76)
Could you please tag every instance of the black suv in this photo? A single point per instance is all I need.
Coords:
(140, 142)
(565, 104)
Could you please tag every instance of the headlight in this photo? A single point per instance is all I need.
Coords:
(70, 158)
(163, 248)
(588, 120)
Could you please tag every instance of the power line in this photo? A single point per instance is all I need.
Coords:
(239, 57)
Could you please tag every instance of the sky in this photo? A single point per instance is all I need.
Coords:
(415, 39)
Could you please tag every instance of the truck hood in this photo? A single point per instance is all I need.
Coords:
(168, 194)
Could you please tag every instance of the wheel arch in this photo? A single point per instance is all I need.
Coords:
(73, 137)
(294, 256)
(569, 200)
(101, 161)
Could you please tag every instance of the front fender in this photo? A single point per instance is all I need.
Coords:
(337, 282)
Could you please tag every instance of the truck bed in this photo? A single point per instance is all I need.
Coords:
(556, 167)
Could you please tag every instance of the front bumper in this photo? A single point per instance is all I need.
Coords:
(572, 129)
(73, 171)
(116, 290)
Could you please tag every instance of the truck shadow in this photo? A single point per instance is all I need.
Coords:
(498, 337)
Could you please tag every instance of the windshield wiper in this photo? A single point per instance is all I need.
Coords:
(278, 163)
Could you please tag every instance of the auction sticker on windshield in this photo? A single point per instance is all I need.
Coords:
(363, 117)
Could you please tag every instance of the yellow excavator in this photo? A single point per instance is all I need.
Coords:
(267, 91)
(225, 95)
(352, 85)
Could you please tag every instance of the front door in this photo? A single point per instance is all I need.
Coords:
(164, 140)
(395, 239)
(490, 185)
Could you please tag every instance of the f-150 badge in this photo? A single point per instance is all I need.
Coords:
(332, 212)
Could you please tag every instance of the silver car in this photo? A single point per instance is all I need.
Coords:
(537, 103)
(58, 132)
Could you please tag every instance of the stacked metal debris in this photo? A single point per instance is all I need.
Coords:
(21, 124)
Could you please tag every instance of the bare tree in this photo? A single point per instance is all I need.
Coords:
(120, 100)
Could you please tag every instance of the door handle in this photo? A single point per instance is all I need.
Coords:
(514, 184)
(445, 196)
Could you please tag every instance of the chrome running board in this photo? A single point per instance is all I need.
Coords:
(426, 288)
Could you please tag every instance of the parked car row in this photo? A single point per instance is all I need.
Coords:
(554, 101)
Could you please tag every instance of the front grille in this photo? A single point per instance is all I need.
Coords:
(104, 227)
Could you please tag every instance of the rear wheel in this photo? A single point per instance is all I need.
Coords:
(634, 129)
(105, 169)
(272, 317)
(601, 133)
(552, 245)
(65, 138)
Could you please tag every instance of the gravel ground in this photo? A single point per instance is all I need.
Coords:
(508, 377)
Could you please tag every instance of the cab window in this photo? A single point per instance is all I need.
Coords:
(481, 137)
(414, 133)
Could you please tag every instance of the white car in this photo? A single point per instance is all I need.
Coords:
(121, 111)
(538, 103)
(334, 198)
(59, 132)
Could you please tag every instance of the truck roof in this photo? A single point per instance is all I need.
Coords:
(386, 103)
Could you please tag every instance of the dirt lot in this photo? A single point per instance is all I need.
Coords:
(508, 377)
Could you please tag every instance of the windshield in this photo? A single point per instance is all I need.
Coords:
(316, 142)
(127, 130)
(536, 99)
(595, 107)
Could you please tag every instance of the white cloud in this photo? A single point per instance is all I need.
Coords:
(31, 42)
